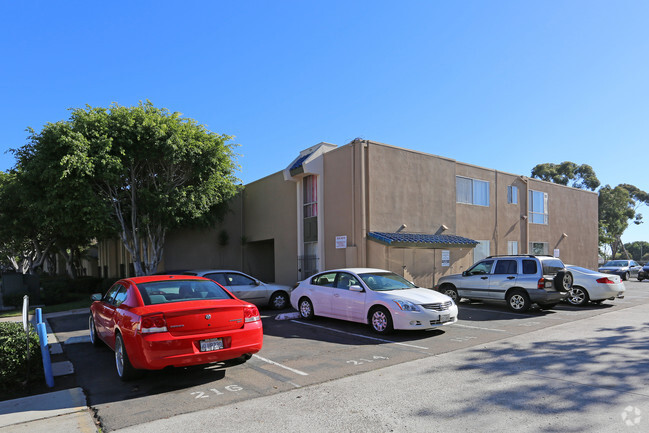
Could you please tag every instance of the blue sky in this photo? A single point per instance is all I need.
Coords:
(500, 84)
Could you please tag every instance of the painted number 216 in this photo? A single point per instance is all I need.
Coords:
(214, 391)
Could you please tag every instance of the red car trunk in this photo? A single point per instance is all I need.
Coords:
(204, 320)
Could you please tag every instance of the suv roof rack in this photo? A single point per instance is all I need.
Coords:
(518, 255)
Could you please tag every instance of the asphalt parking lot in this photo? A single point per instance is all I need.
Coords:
(296, 354)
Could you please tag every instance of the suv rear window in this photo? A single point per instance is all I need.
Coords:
(552, 266)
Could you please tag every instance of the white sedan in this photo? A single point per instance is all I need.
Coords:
(593, 286)
(380, 298)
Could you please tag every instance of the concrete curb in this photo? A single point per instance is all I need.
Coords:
(43, 406)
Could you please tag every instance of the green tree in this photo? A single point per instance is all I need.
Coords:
(567, 173)
(25, 238)
(67, 210)
(639, 250)
(155, 169)
(616, 208)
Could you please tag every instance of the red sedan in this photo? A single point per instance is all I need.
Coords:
(164, 320)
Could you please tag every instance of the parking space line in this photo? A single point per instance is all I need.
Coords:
(301, 373)
(359, 335)
(478, 327)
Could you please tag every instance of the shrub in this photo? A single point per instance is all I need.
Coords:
(13, 358)
(14, 299)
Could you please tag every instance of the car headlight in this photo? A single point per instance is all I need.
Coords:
(406, 305)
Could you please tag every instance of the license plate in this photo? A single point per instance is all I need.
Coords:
(212, 344)
(444, 318)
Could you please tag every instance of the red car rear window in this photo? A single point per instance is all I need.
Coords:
(162, 292)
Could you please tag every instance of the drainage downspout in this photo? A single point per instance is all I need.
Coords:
(363, 206)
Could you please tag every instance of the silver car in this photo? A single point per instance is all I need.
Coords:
(518, 280)
(593, 286)
(247, 288)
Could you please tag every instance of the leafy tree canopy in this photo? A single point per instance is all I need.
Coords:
(567, 173)
(155, 169)
(617, 206)
(639, 250)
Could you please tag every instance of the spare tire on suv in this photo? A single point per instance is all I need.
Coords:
(563, 280)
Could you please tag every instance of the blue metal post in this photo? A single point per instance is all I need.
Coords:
(45, 351)
(39, 315)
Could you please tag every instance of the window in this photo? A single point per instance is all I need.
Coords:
(120, 297)
(512, 248)
(481, 268)
(538, 207)
(310, 197)
(326, 280)
(240, 280)
(506, 267)
(529, 267)
(345, 281)
(481, 251)
(471, 191)
(539, 248)
(512, 194)
(218, 277)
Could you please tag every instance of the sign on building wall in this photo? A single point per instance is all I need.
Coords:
(446, 258)
(556, 253)
(341, 242)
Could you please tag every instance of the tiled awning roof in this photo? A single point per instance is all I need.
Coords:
(417, 240)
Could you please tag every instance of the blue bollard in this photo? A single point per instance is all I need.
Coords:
(39, 315)
(45, 352)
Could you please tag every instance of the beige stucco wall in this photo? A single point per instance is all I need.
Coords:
(264, 211)
(368, 186)
(573, 212)
(341, 207)
(217, 247)
(270, 209)
(418, 190)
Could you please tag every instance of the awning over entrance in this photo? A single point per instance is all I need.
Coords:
(417, 240)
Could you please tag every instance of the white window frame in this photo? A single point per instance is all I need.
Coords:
(544, 248)
(472, 196)
(482, 250)
(512, 248)
(512, 194)
(536, 215)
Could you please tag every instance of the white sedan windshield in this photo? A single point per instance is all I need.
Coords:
(384, 281)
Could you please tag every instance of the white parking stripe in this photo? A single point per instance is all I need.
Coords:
(478, 327)
(301, 373)
(359, 335)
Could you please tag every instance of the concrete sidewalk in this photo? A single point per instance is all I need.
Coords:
(64, 411)
(590, 375)
(55, 412)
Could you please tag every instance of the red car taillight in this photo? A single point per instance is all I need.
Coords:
(605, 280)
(251, 314)
(153, 323)
(544, 284)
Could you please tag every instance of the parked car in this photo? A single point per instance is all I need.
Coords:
(643, 274)
(380, 298)
(248, 288)
(160, 321)
(624, 268)
(593, 286)
(518, 280)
